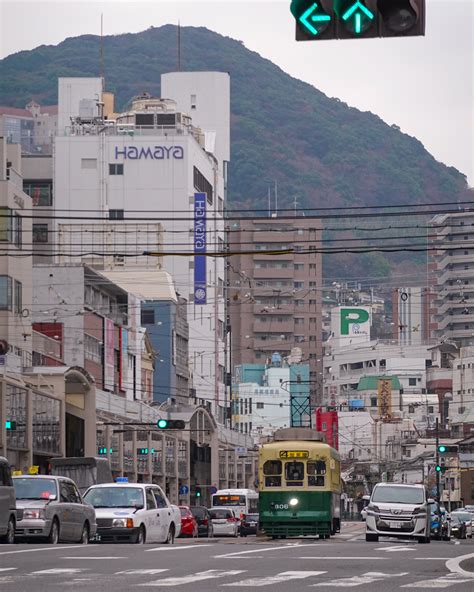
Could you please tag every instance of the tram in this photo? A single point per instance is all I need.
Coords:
(299, 485)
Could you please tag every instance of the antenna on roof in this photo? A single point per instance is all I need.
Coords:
(101, 45)
(179, 47)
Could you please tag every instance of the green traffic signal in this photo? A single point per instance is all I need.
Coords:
(10, 425)
(438, 468)
(162, 424)
(310, 16)
(198, 492)
(354, 15)
(441, 448)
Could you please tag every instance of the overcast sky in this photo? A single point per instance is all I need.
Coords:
(422, 84)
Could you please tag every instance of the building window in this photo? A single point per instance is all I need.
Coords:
(373, 401)
(298, 285)
(115, 169)
(220, 206)
(193, 101)
(40, 233)
(299, 321)
(5, 292)
(202, 184)
(18, 297)
(148, 316)
(17, 230)
(88, 163)
(92, 349)
(299, 266)
(6, 225)
(412, 381)
(41, 192)
(260, 405)
(312, 265)
(115, 214)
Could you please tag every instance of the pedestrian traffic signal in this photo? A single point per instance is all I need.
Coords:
(443, 448)
(198, 492)
(10, 425)
(171, 424)
(345, 19)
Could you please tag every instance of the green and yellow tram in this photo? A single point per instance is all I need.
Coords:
(299, 485)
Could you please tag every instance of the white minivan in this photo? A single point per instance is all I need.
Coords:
(398, 510)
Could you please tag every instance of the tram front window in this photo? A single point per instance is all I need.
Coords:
(272, 472)
(316, 473)
(294, 473)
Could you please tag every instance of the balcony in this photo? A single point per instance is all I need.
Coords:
(273, 326)
(46, 349)
(274, 272)
(273, 308)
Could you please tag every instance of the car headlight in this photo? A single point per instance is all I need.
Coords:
(33, 514)
(122, 522)
(372, 510)
(420, 512)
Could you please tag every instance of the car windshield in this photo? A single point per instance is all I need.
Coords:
(219, 514)
(461, 516)
(398, 495)
(115, 497)
(35, 489)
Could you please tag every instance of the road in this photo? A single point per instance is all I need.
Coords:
(207, 565)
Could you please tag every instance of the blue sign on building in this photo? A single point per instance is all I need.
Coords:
(200, 287)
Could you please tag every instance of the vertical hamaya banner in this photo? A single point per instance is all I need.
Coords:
(109, 354)
(200, 292)
(123, 359)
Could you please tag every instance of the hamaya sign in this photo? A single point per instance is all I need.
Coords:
(150, 152)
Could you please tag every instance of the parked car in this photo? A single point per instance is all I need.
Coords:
(189, 526)
(204, 521)
(461, 524)
(224, 522)
(249, 524)
(133, 513)
(52, 508)
(398, 510)
(8, 512)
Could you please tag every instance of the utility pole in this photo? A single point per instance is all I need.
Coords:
(438, 493)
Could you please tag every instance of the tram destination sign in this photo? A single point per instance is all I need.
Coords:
(294, 454)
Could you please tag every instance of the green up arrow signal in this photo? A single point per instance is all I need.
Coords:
(358, 18)
(313, 18)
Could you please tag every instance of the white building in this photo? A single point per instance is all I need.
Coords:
(143, 167)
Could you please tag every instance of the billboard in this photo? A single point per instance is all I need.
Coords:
(109, 329)
(384, 398)
(351, 324)
(123, 359)
(200, 240)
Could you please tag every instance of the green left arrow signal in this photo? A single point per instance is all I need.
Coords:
(313, 19)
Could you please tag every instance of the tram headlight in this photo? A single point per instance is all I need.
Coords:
(293, 502)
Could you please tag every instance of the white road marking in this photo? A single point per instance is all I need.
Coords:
(57, 571)
(395, 548)
(257, 551)
(442, 582)
(140, 572)
(210, 574)
(8, 568)
(50, 548)
(367, 578)
(179, 547)
(277, 579)
(454, 565)
(323, 558)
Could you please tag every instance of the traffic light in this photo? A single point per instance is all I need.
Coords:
(198, 492)
(350, 19)
(443, 448)
(102, 451)
(142, 451)
(10, 425)
(171, 424)
(441, 468)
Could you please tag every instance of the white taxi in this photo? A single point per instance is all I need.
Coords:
(133, 513)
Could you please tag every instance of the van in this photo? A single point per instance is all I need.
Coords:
(7, 503)
(398, 510)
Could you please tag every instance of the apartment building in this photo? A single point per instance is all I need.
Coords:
(275, 302)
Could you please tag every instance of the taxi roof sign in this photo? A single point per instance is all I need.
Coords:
(121, 480)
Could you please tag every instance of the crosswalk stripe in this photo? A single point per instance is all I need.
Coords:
(140, 572)
(179, 548)
(367, 578)
(278, 578)
(441, 582)
(8, 568)
(210, 574)
(57, 571)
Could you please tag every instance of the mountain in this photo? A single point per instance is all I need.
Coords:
(320, 150)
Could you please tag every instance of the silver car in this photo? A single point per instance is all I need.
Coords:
(52, 508)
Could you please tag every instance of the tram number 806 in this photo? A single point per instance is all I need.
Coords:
(280, 506)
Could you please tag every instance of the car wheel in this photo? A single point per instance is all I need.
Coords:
(170, 537)
(9, 537)
(141, 537)
(85, 536)
(371, 537)
(53, 537)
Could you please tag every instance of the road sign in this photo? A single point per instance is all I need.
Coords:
(241, 451)
(213, 489)
(184, 490)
